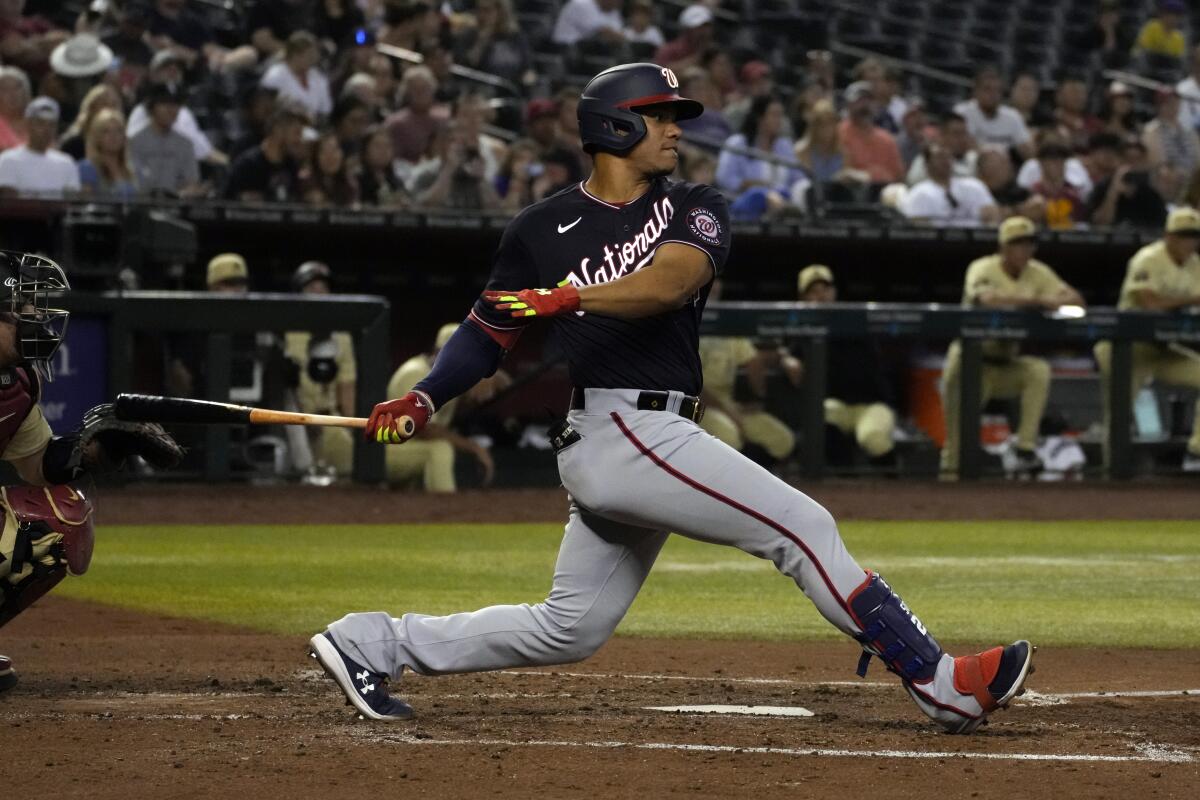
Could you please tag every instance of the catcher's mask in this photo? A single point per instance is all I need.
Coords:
(30, 283)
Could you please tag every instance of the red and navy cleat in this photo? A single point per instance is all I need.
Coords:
(8, 677)
(993, 677)
(364, 689)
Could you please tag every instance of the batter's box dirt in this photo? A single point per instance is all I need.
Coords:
(123, 705)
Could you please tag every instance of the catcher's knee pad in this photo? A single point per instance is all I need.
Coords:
(892, 632)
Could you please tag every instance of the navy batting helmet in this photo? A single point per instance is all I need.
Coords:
(608, 118)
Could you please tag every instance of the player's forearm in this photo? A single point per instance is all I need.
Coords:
(467, 358)
(645, 293)
(1151, 300)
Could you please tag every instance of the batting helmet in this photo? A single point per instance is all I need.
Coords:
(608, 118)
(308, 272)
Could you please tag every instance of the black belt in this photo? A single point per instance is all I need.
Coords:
(689, 407)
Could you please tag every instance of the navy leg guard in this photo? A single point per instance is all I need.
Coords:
(892, 633)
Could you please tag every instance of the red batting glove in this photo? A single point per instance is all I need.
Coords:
(397, 421)
(536, 302)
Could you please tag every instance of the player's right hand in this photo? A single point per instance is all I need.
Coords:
(397, 421)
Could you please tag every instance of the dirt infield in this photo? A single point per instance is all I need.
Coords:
(125, 705)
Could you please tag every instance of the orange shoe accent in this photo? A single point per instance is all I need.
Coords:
(972, 674)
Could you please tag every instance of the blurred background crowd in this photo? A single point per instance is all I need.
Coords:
(953, 112)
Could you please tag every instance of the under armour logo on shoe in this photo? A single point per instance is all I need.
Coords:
(364, 676)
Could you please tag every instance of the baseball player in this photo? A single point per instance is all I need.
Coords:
(858, 397)
(627, 258)
(325, 374)
(431, 456)
(730, 421)
(1010, 278)
(1163, 276)
(47, 527)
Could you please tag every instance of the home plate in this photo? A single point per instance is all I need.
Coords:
(761, 711)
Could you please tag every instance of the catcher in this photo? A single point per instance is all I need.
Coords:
(47, 524)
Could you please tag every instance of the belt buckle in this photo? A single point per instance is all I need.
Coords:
(697, 410)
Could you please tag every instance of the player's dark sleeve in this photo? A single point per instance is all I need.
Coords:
(512, 268)
(702, 221)
(477, 347)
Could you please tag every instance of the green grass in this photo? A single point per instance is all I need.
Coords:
(1063, 583)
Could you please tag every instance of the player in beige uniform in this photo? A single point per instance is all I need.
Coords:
(1011, 278)
(327, 375)
(1163, 276)
(432, 460)
(730, 421)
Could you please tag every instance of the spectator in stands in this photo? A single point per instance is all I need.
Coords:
(270, 23)
(1116, 112)
(1024, 96)
(567, 139)
(35, 169)
(419, 117)
(1107, 36)
(1162, 35)
(439, 58)
(163, 161)
(579, 20)
(454, 176)
(1167, 141)
(757, 80)
(174, 26)
(326, 376)
(885, 93)
(946, 199)
(1101, 157)
(76, 66)
(867, 146)
(541, 124)
(1063, 201)
(269, 172)
(104, 173)
(744, 426)
(255, 108)
(1070, 118)
(101, 97)
(514, 183)
(430, 460)
(695, 82)
(1127, 197)
(327, 180)
(696, 33)
(747, 178)
(1188, 90)
(996, 171)
(298, 78)
(858, 397)
(495, 43)
(640, 27)
(990, 122)
(408, 23)
(14, 97)
(719, 65)
(820, 152)
(383, 70)
(471, 113)
(1163, 276)
(341, 23)
(378, 183)
(914, 133)
(127, 40)
(955, 138)
(27, 41)
(167, 69)
(1011, 278)
(350, 118)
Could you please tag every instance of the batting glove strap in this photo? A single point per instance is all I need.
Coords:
(535, 302)
(892, 633)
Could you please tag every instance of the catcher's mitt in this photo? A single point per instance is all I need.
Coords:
(117, 440)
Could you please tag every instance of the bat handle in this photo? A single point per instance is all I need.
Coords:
(405, 423)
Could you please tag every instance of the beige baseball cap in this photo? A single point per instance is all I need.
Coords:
(811, 274)
(1015, 228)
(444, 333)
(1185, 220)
(227, 267)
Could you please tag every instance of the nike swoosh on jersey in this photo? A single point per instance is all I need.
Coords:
(565, 228)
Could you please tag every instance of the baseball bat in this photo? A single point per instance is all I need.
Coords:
(186, 411)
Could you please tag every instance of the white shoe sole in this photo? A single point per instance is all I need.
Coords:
(331, 661)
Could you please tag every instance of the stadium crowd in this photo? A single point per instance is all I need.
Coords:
(470, 105)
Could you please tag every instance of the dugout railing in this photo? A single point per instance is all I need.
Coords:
(219, 318)
(814, 325)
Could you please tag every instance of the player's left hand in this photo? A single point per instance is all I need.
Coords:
(387, 422)
(535, 302)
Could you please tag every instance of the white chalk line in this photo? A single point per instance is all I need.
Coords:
(1148, 752)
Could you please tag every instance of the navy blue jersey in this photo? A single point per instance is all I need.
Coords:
(574, 237)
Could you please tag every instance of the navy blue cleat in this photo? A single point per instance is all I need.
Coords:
(365, 690)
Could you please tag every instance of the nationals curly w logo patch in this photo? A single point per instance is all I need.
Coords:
(703, 224)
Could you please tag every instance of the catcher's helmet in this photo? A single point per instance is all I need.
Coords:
(608, 118)
(28, 283)
(308, 272)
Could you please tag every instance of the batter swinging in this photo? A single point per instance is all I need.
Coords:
(631, 256)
